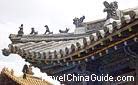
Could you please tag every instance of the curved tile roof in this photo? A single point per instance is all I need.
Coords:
(29, 81)
(70, 48)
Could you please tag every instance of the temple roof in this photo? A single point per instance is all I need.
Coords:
(30, 80)
(69, 48)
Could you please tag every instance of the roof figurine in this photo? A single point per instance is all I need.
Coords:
(33, 31)
(78, 21)
(47, 30)
(112, 10)
(30, 70)
(114, 16)
(5, 52)
(20, 32)
(64, 31)
(25, 70)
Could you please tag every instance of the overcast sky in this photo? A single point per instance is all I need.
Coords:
(57, 14)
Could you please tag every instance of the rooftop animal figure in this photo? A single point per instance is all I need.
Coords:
(47, 30)
(30, 70)
(112, 10)
(20, 32)
(25, 70)
(33, 31)
(64, 31)
(78, 21)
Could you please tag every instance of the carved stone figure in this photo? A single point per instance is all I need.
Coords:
(47, 30)
(33, 31)
(64, 31)
(114, 15)
(78, 21)
(20, 32)
(29, 71)
(5, 52)
(112, 10)
(25, 69)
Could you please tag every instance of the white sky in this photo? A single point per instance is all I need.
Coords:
(57, 14)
